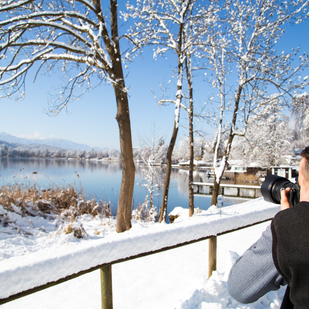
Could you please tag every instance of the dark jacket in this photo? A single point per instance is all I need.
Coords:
(290, 230)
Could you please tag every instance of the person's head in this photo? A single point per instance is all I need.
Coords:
(303, 178)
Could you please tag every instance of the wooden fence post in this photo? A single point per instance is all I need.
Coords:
(212, 255)
(106, 287)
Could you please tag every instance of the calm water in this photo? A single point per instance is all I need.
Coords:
(100, 179)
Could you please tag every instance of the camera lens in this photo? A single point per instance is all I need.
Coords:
(272, 186)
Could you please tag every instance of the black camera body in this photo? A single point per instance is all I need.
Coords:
(272, 186)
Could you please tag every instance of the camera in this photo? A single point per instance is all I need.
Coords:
(272, 186)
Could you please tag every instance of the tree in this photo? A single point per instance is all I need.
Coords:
(91, 154)
(245, 41)
(4, 149)
(81, 39)
(152, 155)
(268, 138)
(151, 183)
(300, 113)
(188, 66)
(183, 150)
(199, 147)
(163, 24)
(169, 25)
(80, 154)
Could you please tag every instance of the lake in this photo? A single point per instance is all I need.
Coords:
(102, 180)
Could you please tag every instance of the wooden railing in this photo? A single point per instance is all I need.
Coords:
(20, 278)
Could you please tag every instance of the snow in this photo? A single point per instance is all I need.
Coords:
(170, 279)
(219, 170)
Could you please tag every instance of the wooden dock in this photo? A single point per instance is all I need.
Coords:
(230, 190)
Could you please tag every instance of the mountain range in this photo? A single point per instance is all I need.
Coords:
(51, 142)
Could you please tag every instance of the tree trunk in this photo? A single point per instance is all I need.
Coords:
(123, 119)
(215, 192)
(227, 150)
(128, 168)
(191, 196)
(191, 137)
(163, 209)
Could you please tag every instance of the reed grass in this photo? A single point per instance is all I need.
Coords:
(65, 204)
(56, 201)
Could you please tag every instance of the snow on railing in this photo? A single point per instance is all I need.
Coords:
(23, 275)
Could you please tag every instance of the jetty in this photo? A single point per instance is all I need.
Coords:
(229, 190)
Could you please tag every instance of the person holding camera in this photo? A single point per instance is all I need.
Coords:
(281, 254)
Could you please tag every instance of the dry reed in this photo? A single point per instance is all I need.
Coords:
(64, 202)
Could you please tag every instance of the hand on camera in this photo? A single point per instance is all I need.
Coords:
(285, 204)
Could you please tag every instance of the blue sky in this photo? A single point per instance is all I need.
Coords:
(92, 119)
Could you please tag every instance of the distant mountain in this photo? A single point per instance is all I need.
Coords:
(52, 142)
(11, 145)
(30, 146)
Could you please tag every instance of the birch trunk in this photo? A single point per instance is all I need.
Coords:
(163, 209)
(219, 172)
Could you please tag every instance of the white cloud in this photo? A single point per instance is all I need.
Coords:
(36, 135)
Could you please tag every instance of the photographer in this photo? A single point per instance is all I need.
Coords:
(281, 255)
(291, 239)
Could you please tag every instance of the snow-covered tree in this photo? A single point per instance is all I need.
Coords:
(184, 149)
(208, 151)
(152, 155)
(80, 154)
(70, 154)
(268, 138)
(4, 150)
(80, 37)
(45, 153)
(162, 23)
(182, 152)
(246, 66)
(159, 151)
(199, 143)
(151, 182)
(300, 114)
(91, 154)
(113, 153)
(169, 25)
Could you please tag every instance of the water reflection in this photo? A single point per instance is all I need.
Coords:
(42, 164)
(101, 179)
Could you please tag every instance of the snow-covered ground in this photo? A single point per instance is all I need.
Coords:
(172, 279)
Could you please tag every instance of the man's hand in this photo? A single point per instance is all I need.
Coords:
(285, 198)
